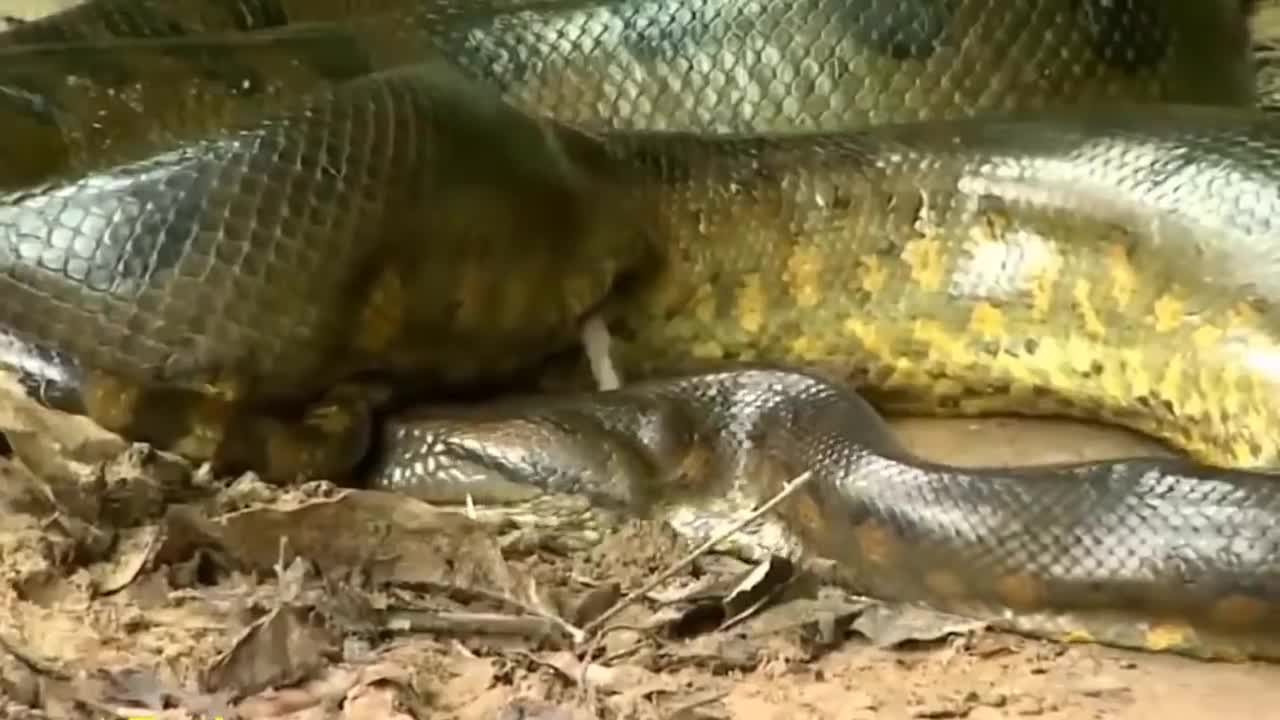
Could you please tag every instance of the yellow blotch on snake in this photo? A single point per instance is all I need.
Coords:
(949, 347)
(1042, 284)
(1081, 354)
(1206, 337)
(1138, 380)
(987, 320)
(1124, 279)
(704, 304)
(707, 350)
(1051, 355)
(1167, 313)
(752, 303)
(1166, 636)
(924, 257)
(807, 348)
(1084, 307)
(871, 274)
(1170, 386)
(866, 333)
(803, 275)
(1077, 635)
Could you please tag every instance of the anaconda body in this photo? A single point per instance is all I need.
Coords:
(1161, 554)
(362, 218)
(325, 143)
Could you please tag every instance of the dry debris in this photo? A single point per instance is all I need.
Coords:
(134, 585)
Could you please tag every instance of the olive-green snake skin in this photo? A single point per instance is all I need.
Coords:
(246, 230)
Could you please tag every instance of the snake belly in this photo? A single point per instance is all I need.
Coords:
(256, 256)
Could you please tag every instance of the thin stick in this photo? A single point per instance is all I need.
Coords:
(470, 623)
(786, 491)
(595, 342)
(575, 633)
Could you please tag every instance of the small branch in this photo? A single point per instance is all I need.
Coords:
(590, 628)
(595, 341)
(575, 633)
(472, 623)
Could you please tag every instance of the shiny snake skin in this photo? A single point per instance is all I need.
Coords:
(243, 230)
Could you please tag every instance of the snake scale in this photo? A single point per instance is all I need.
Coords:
(253, 231)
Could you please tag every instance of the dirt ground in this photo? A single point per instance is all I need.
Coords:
(133, 586)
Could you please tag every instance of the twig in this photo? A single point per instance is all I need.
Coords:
(705, 699)
(596, 341)
(799, 481)
(575, 633)
(471, 623)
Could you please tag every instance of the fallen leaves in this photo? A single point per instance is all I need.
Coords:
(296, 594)
(135, 585)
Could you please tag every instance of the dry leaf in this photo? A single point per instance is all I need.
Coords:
(282, 648)
(892, 625)
(134, 548)
(388, 537)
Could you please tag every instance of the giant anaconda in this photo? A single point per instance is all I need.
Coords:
(238, 229)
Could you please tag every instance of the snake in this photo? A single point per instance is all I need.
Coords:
(361, 239)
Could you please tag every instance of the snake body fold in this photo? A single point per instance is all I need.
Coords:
(242, 230)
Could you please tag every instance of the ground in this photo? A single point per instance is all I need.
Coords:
(135, 586)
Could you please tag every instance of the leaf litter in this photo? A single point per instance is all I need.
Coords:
(137, 586)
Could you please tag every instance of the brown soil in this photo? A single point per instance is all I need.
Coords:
(131, 586)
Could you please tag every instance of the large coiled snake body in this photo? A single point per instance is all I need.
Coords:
(242, 230)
